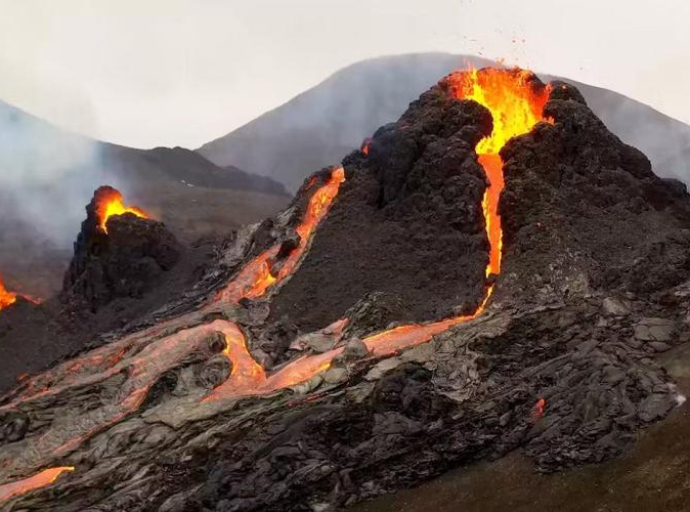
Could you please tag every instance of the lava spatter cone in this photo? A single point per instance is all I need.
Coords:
(587, 278)
(120, 252)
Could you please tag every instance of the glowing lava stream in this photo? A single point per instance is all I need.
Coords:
(256, 277)
(38, 481)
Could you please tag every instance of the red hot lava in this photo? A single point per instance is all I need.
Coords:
(538, 410)
(109, 202)
(7, 298)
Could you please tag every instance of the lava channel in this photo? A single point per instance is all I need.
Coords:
(37, 481)
(256, 277)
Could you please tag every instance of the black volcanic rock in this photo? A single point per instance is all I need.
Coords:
(408, 222)
(583, 211)
(127, 261)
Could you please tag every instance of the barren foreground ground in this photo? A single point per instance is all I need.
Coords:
(653, 476)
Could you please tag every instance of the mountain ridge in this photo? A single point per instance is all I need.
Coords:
(290, 140)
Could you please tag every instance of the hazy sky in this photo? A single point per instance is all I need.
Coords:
(173, 72)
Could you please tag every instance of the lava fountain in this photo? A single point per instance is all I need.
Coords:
(7, 298)
(109, 202)
(516, 102)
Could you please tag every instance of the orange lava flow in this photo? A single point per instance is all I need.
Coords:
(516, 105)
(37, 481)
(111, 203)
(7, 298)
(257, 276)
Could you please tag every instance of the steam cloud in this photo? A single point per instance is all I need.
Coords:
(47, 176)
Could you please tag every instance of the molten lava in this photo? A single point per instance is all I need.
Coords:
(7, 298)
(516, 103)
(109, 202)
(256, 277)
(37, 481)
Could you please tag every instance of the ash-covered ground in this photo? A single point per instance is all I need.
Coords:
(561, 364)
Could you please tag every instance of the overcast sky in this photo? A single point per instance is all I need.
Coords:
(173, 72)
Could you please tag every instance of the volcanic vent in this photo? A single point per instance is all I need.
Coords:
(495, 270)
(120, 252)
(414, 221)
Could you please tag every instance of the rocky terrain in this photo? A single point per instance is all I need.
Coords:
(355, 344)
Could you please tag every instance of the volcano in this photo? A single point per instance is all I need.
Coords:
(494, 271)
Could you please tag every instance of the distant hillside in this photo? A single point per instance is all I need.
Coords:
(321, 125)
(48, 175)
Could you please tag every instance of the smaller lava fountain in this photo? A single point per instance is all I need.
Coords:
(7, 298)
(109, 202)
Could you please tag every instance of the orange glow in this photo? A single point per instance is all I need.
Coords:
(7, 298)
(256, 277)
(38, 481)
(516, 105)
(538, 410)
(110, 203)
(365, 147)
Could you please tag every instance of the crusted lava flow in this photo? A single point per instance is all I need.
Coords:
(110, 202)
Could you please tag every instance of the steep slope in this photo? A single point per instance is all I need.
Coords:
(48, 174)
(545, 343)
(323, 124)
